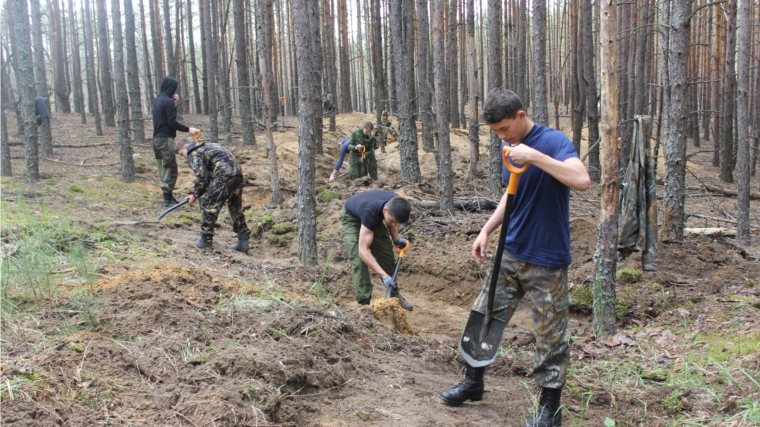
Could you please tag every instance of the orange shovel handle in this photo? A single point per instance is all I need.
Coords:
(197, 136)
(514, 170)
(361, 149)
(402, 251)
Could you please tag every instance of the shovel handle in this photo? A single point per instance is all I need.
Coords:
(514, 170)
(361, 149)
(402, 251)
(197, 136)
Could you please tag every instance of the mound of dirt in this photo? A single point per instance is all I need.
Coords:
(390, 313)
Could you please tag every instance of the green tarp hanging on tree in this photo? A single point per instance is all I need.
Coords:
(637, 224)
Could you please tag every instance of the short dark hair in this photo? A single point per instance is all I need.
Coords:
(181, 144)
(399, 208)
(368, 126)
(501, 104)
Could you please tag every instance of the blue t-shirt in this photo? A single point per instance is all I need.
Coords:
(539, 228)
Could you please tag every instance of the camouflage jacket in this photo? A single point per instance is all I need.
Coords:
(383, 129)
(359, 138)
(209, 161)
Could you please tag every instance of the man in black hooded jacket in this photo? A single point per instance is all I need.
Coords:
(165, 127)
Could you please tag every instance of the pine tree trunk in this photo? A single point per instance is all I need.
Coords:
(591, 94)
(303, 18)
(716, 61)
(522, 55)
(89, 54)
(150, 93)
(345, 76)
(331, 72)
(76, 65)
(171, 64)
(204, 59)
(743, 119)
(194, 66)
(210, 74)
(494, 82)
(40, 76)
(59, 72)
(423, 76)
(122, 102)
(727, 155)
(264, 26)
(403, 47)
(158, 52)
(133, 74)
(453, 64)
(575, 69)
(445, 172)
(675, 134)
(472, 80)
(5, 100)
(24, 70)
(316, 69)
(540, 107)
(241, 59)
(223, 74)
(378, 70)
(605, 257)
(106, 79)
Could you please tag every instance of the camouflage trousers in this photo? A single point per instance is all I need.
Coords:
(547, 289)
(223, 189)
(381, 143)
(381, 248)
(359, 168)
(166, 161)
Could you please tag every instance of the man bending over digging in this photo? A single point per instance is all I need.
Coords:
(370, 228)
(219, 179)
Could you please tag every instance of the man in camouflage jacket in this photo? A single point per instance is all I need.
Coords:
(383, 129)
(362, 140)
(218, 179)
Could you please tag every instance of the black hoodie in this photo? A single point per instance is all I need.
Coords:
(165, 122)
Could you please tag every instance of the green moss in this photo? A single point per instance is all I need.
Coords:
(75, 188)
(77, 347)
(330, 195)
(282, 228)
(581, 298)
(629, 275)
(722, 347)
(139, 168)
(673, 402)
(279, 240)
(51, 182)
(749, 283)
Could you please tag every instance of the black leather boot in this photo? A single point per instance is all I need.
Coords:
(204, 242)
(549, 411)
(469, 389)
(169, 199)
(242, 243)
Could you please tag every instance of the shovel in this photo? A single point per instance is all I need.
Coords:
(401, 252)
(483, 332)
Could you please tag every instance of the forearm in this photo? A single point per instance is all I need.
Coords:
(497, 218)
(570, 172)
(369, 259)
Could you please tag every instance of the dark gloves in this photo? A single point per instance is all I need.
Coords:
(389, 283)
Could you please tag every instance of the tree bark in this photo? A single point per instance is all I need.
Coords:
(576, 101)
(5, 100)
(378, 70)
(494, 82)
(133, 74)
(316, 60)
(591, 95)
(158, 51)
(675, 134)
(453, 64)
(303, 16)
(122, 102)
(210, 75)
(727, 155)
(106, 79)
(194, 66)
(403, 52)
(241, 59)
(24, 70)
(76, 65)
(89, 55)
(472, 80)
(522, 54)
(743, 119)
(345, 70)
(150, 93)
(219, 26)
(59, 55)
(423, 75)
(171, 64)
(540, 107)
(605, 257)
(445, 172)
(40, 76)
(264, 26)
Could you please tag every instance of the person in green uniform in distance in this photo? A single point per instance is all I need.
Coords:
(362, 142)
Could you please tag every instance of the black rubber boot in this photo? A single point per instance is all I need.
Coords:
(469, 389)
(549, 411)
(406, 305)
(204, 242)
(242, 243)
(169, 199)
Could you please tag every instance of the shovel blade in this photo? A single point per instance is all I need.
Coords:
(479, 350)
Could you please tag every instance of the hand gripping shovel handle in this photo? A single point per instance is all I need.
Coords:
(197, 136)
(401, 252)
(361, 149)
(178, 205)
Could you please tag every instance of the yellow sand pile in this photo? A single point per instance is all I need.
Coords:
(390, 313)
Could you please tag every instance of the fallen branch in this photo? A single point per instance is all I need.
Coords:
(316, 394)
(716, 219)
(710, 232)
(474, 205)
(100, 144)
(186, 419)
(727, 192)
(75, 164)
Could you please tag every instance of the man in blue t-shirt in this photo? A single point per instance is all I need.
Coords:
(536, 250)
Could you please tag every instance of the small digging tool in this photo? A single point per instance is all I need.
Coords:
(482, 335)
(401, 252)
(178, 205)
(362, 149)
